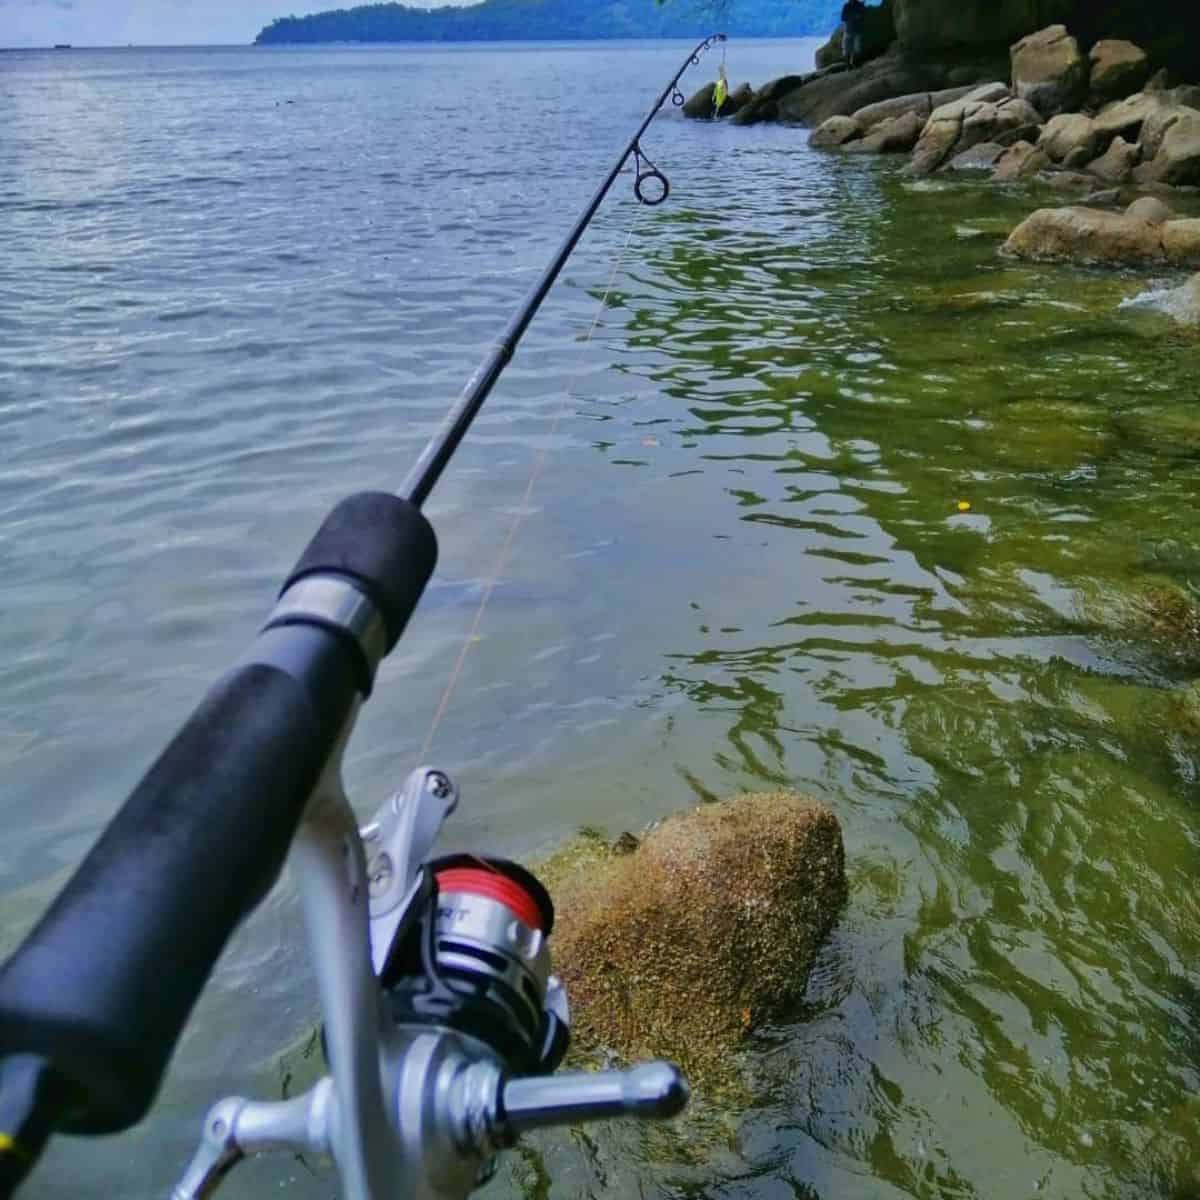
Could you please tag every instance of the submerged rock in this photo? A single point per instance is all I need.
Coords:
(703, 932)
(1153, 610)
(1182, 303)
(1049, 70)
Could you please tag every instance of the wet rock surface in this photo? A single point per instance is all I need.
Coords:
(699, 934)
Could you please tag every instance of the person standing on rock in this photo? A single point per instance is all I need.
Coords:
(854, 19)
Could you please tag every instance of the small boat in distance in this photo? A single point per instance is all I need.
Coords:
(62, 45)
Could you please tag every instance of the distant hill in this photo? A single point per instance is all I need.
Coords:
(555, 20)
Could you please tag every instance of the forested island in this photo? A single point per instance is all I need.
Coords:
(553, 20)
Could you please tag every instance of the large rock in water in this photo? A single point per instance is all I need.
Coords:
(1049, 70)
(896, 135)
(1020, 161)
(1089, 235)
(705, 932)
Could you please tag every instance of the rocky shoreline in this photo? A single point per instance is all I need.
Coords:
(1110, 124)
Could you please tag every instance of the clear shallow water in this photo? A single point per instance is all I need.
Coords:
(235, 285)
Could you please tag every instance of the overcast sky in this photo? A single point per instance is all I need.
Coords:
(149, 22)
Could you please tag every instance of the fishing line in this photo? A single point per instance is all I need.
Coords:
(539, 463)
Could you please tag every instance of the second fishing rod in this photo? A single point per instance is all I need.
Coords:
(94, 1000)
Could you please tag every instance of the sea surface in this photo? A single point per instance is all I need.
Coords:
(828, 496)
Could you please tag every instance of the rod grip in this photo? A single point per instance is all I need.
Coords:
(103, 985)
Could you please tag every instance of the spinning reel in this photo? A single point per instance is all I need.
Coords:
(472, 1023)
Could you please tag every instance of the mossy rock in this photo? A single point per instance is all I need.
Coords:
(705, 931)
(1173, 431)
(1154, 611)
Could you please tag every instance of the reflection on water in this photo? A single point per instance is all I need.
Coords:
(748, 565)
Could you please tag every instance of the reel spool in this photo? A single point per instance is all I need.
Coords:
(476, 960)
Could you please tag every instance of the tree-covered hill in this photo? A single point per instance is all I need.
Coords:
(553, 20)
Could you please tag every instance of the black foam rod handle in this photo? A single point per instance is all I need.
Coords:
(102, 987)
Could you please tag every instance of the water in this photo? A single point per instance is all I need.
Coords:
(236, 285)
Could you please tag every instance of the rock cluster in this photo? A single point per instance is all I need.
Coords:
(1098, 114)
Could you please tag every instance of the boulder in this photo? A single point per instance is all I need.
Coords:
(1125, 118)
(835, 132)
(1049, 70)
(979, 158)
(699, 105)
(737, 100)
(1089, 235)
(1117, 68)
(1117, 163)
(1020, 161)
(1151, 210)
(955, 128)
(1156, 125)
(938, 139)
(985, 93)
(1085, 235)
(1005, 122)
(895, 136)
(1070, 139)
(1178, 159)
(1181, 242)
(846, 92)
(871, 115)
(765, 104)
(707, 930)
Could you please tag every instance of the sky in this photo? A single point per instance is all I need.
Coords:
(150, 22)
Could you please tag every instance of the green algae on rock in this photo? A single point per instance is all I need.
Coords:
(703, 933)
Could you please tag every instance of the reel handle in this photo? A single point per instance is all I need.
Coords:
(653, 1091)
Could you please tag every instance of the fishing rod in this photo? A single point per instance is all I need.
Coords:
(443, 1024)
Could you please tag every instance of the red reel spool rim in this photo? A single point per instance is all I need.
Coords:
(476, 881)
